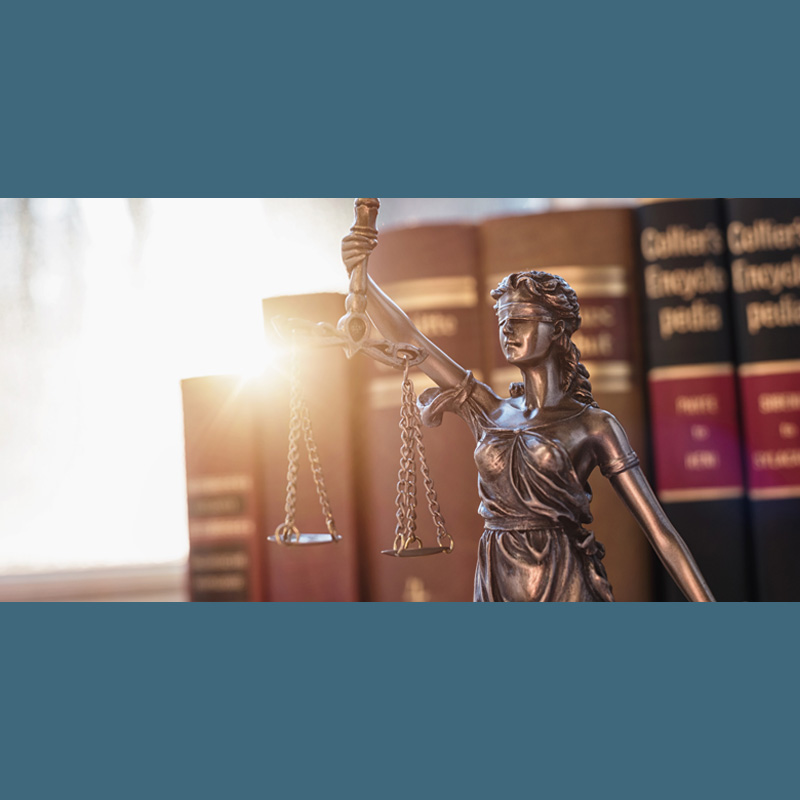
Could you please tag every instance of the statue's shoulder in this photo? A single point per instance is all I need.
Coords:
(594, 415)
(486, 398)
(609, 442)
(601, 424)
(471, 399)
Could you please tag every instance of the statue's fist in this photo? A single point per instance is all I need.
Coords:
(356, 249)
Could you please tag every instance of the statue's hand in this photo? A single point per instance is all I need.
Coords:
(356, 249)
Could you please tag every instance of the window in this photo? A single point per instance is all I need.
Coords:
(106, 305)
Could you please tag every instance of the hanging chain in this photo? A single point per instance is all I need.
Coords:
(289, 530)
(443, 538)
(300, 425)
(412, 452)
(316, 471)
(405, 534)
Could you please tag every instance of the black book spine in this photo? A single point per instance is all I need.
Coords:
(764, 241)
(694, 414)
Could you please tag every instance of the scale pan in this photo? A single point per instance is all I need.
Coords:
(420, 552)
(305, 540)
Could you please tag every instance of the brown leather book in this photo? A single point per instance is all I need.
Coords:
(595, 252)
(432, 272)
(226, 557)
(325, 572)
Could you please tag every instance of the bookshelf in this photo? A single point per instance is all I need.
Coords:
(92, 346)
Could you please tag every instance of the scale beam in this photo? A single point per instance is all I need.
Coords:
(353, 330)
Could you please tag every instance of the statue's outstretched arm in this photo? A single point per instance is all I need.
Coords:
(394, 323)
(636, 492)
(618, 462)
(396, 326)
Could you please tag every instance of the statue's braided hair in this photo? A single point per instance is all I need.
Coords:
(555, 294)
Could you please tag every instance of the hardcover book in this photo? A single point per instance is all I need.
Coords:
(764, 242)
(594, 251)
(432, 273)
(694, 413)
(325, 572)
(223, 473)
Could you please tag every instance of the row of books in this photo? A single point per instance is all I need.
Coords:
(722, 315)
(687, 303)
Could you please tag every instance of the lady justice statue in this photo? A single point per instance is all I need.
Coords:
(535, 449)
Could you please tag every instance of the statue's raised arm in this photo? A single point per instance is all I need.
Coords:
(367, 298)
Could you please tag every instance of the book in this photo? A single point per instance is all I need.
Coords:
(763, 238)
(694, 410)
(223, 472)
(326, 572)
(594, 251)
(432, 272)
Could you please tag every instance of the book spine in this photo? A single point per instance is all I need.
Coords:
(329, 572)
(593, 251)
(432, 273)
(226, 542)
(764, 241)
(694, 413)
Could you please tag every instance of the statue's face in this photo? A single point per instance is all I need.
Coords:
(527, 332)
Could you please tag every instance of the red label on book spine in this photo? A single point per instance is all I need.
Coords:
(696, 433)
(771, 404)
(602, 334)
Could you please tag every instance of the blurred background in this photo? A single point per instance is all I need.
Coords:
(106, 305)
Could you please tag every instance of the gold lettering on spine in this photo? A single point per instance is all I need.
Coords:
(216, 562)
(701, 461)
(697, 405)
(434, 324)
(785, 313)
(788, 430)
(415, 591)
(778, 402)
(689, 285)
(772, 460)
(220, 484)
(219, 583)
(599, 345)
(768, 277)
(762, 235)
(681, 241)
(685, 283)
(700, 433)
(700, 317)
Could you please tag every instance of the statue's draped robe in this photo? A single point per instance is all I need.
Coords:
(534, 548)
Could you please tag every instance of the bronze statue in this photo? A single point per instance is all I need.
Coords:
(535, 449)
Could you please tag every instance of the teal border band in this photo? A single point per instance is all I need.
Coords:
(397, 701)
(199, 100)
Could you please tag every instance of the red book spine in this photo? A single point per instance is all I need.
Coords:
(432, 273)
(226, 556)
